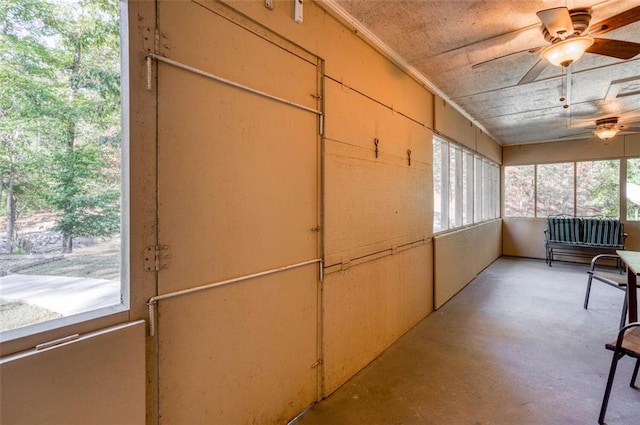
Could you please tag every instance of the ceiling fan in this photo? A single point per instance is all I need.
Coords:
(609, 127)
(570, 36)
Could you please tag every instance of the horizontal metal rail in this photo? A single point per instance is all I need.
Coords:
(228, 82)
(371, 256)
(154, 300)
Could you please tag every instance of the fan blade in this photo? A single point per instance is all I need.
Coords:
(614, 48)
(534, 72)
(532, 50)
(616, 21)
(557, 21)
(629, 129)
(575, 136)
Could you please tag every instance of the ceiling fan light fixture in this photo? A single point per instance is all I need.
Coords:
(606, 131)
(565, 52)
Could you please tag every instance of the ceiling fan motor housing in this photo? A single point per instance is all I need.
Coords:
(607, 121)
(580, 18)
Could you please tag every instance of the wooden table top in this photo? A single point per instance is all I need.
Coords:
(632, 261)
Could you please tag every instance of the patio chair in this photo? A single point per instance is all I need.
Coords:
(615, 279)
(627, 344)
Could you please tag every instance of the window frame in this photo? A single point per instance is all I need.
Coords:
(469, 189)
(27, 337)
(622, 179)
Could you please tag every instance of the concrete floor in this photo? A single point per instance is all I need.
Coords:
(514, 347)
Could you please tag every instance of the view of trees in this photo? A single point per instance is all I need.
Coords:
(633, 189)
(60, 116)
(589, 188)
(598, 188)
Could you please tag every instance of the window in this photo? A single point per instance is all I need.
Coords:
(440, 185)
(598, 188)
(60, 150)
(585, 188)
(466, 187)
(519, 191)
(554, 190)
(633, 189)
(491, 182)
(478, 189)
(455, 186)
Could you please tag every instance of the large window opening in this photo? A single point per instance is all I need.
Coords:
(466, 187)
(60, 159)
(633, 189)
(586, 188)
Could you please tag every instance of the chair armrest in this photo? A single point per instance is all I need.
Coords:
(635, 344)
(598, 257)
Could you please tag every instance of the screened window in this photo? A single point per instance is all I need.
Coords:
(598, 188)
(61, 144)
(455, 186)
(440, 185)
(466, 187)
(586, 188)
(519, 191)
(633, 189)
(554, 189)
(478, 189)
(491, 179)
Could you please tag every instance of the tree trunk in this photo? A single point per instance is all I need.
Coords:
(11, 215)
(67, 243)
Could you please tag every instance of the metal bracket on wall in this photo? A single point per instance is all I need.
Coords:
(409, 155)
(156, 258)
(150, 39)
(376, 142)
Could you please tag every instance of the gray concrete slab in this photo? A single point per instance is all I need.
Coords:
(514, 347)
(60, 294)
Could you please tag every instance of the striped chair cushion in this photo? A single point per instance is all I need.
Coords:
(603, 232)
(564, 229)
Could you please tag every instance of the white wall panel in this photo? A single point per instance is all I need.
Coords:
(238, 194)
(98, 378)
(240, 354)
(524, 237)
(460, 255)
(454, 125)
(373, 203)
(368, 306)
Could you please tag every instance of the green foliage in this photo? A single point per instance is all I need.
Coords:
(85, 193)
(60, 111)
(598, 188)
